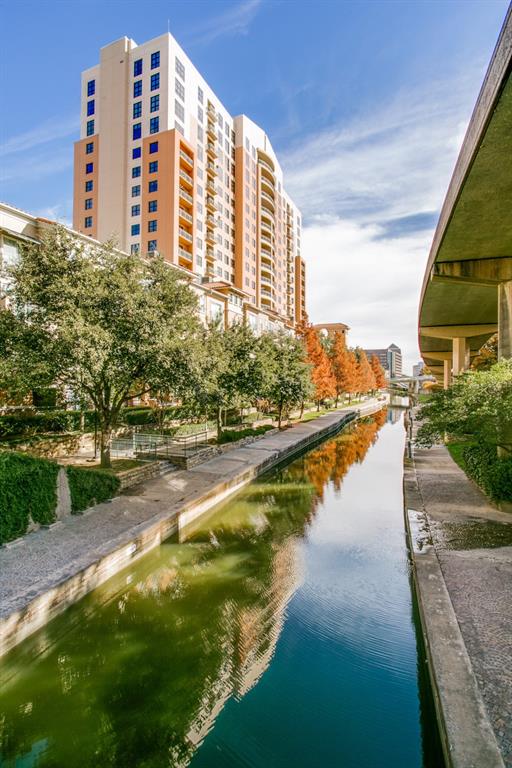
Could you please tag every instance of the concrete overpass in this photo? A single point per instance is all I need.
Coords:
(467, 289)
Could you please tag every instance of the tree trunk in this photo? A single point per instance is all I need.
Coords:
(336, 402)
(301, 409)
(106, 434)
(279, 415)
(318, 406)
(219, 421)
(82, 421)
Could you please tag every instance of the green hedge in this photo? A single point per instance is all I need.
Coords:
(28, 489)
(21, 423)
(232, 435)
(492, 473)
(90, 486)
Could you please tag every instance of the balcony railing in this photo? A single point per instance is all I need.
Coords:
(186, 235)
(210, 203)
(210, 149)
(185, 195)
(268, 197)
(186, 177)
(186, 157)
(186, 216)
(265, 165)
(184, 253)
(266, 239)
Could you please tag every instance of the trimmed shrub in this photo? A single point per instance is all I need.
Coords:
(492, 473)
(90, 486)
(232, 435)
(28, 489)
(21, 423)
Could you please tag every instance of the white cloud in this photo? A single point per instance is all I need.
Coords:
(370, 190)
(235, 21)
(49, 131)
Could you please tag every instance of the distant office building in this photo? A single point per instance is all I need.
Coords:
(390, 359)
(417, 370)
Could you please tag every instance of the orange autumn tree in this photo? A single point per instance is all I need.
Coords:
(344, 367)
(378, 372)
(321, 371)
(366, 378)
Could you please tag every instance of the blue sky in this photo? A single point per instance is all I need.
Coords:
(365, 102)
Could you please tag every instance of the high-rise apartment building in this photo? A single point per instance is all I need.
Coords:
(164, 167)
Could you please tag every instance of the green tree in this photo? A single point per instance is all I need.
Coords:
(96, 321)
(288, 382)
(478, 406)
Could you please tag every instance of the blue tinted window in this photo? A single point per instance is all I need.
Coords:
(135, 210)
(136, 131)
(90, 127)
(154, 104)
(89, 167)
(137, 67)
(155, 60)
(153, 167)
(134, 248)
(88, 186)
(154, 125)
(88, 203)
(88, 222)
(135, 171)
(90, 107)
(137, 109)
(153, 147)
(136, 152)
(91, 87)
(137, 88)
(152, 225)
(155, 82)
(136, 190)
(153, 206)
(151, 245)
(89, 147)
(153, 186)
(135, 229)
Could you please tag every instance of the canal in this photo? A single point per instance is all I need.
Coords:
(281, 632)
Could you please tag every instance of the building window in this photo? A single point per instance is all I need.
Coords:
(136, 152)
(152, 225)
(89, 168)
(90, 108)
(179, 127)
(180, 112)
(91, 87)
(200, 114)
(88, 186)
(89, 147)
(135, 229)
(153, 186)
(135, 171)
(88, 222)
(136, 190)
(154, 104)
(137, 68)
(137, 88)
(153, 147)
(154, 125)
(155, 60)
(88, 203)
(180, 69)
(153, 206)
(153, 166)
(200, 95)
(151, 245)
(180, 89)
(135, 210)
(136, 131)
(155, 81)
(90, 127)
(137, 109)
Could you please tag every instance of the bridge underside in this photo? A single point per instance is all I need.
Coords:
(467, 290)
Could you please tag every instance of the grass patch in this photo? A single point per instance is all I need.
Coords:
(118, 465)
(456, 451)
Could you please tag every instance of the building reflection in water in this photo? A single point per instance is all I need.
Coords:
(138, 672)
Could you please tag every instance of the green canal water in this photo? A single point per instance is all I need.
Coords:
(280, 632)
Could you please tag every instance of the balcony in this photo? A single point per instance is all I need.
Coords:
(186, 196)
(210, 256)
(211, 132)
(210, 110)
(188, 160)
(186, 216)
(267, 177)
(211, 221)
(210, 150)
(185, 235)
(187, 178)
(210, 204)
(267, 189)
(211, 169)
(184, 254)
(266, 281)
(210, 186)
(266, 258)
(266, 239)
(265, 161)
(210, 237)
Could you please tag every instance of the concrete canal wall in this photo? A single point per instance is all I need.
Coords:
(50, 570)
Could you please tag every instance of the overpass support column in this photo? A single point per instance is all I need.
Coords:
(505, 320)
(447, 373)
(460, 346)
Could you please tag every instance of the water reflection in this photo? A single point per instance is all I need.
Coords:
(166, 656)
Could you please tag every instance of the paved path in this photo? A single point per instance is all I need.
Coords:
(36, 576)
(473, 543)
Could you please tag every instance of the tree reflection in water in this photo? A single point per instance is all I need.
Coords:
(137, 673)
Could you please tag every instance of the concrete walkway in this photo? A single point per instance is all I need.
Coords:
(463, 568)
(50, 569)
